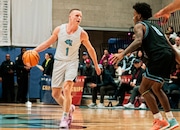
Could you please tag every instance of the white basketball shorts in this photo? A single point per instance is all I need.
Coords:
(64, 71)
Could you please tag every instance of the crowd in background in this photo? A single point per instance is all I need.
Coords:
(132, 66)
(115, 80)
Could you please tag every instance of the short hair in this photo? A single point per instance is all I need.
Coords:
(73, 10)
(22, 48)
(171, 28)
(144, 9)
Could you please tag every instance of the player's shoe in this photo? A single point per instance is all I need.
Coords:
(173, 124)
(160, 124)
(72, 109)
(92, 105)
(64, 123)
(129, 105)
(142, 106)
(101, 105)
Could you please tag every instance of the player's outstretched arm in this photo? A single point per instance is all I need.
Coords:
(85, 41)
(138, 30)
(53, 38)
(165, 12)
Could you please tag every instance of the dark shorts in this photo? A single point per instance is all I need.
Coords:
(160, 68)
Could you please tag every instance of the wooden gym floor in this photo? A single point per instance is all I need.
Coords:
(47, 117)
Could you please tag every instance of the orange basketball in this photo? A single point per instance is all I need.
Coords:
(30, 58)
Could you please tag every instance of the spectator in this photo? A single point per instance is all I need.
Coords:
(118, 67)
(7, 74)
(84, 57)
(173, 34)
(22, 72)
(118, 72)
(83, 62)
(88, 71)
(51, 56)
(140, 55)
(174, 85)
(177, 43)
(125, 66)
(168, 34)
(105, 56)
(128, 63)
(178, 34)
(135, 81)
(103, 84)
(108, 67)
(135, 92)
(47, 65)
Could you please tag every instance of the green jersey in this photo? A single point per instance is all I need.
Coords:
(154, 42)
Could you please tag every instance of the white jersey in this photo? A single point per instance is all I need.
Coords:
(68, 45)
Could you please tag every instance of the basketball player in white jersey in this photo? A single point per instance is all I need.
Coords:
(69, 37)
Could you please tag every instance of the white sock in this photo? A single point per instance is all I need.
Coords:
(169, 115)
(158, 116)
(65, 114)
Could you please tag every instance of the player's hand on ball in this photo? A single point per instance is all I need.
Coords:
(30, 58)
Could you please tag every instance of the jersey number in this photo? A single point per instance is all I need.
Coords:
(67, 51)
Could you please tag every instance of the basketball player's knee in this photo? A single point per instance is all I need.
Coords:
(55, 94)
(67, 91)
(67, 87)
(143, 91)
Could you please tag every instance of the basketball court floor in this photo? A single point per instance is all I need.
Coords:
(47, 117)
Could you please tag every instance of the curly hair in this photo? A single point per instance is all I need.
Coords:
(144, 9)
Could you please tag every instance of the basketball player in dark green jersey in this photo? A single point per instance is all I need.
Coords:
(161, 56)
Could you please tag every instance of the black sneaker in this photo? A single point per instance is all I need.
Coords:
(117, 105)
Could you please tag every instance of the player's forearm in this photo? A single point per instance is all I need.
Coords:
(41, 47)
(172, 7)
(93, 56)
(132, 47)
(46, 44)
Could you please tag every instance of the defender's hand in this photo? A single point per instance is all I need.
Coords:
(115, 58)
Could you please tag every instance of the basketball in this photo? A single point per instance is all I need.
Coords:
(30, 58)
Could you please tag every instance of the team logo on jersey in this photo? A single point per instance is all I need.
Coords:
(69, 42)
